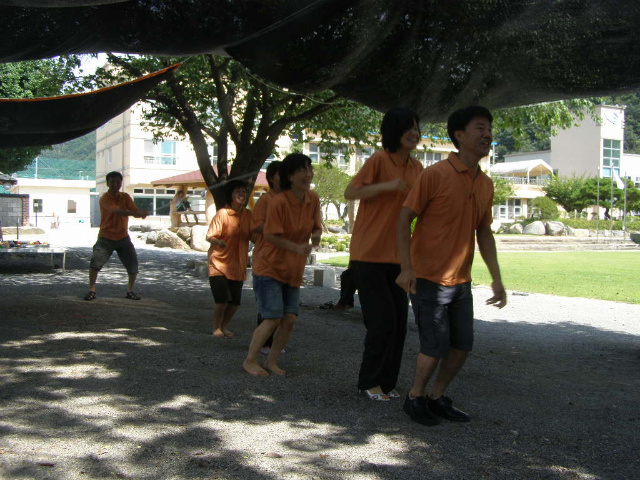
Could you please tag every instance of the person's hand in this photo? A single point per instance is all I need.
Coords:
(407, 281)
(222, 243)
(397, 185)
(304, 249)
(499, 298)
(144, 214)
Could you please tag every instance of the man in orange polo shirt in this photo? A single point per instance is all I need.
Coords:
(115, 209)
(453, 201)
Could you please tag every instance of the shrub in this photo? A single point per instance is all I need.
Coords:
(545, 209)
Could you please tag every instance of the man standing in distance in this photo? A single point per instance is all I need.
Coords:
(115, 209)
(453, 201)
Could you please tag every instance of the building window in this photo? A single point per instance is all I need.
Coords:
(510, 210)
(428, 158)
(154, 200)
(338, 155)
(212, 149)
(611, 153)
(71, 206)
(161, 153)
(314, 153)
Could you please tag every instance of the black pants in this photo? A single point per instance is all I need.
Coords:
(347, 287)
(384, 308)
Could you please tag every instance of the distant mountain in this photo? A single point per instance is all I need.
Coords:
(82, 148)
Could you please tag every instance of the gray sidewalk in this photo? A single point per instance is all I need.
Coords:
(120, 389)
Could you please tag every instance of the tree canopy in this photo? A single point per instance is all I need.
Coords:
(213, 99)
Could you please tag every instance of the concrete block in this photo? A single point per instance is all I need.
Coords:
(325, 277)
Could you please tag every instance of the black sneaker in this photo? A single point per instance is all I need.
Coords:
(443, 407)
(418, 411)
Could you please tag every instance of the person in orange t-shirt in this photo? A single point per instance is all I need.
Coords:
(452, 201)
(293, 218)
(115, 209)
(229, 235)
(381, 185)
(257, 227)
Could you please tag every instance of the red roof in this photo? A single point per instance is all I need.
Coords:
(195, 178)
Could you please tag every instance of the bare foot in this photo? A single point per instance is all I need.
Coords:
(229, 334)
(275, 369)
(254, 369)
(218, 333)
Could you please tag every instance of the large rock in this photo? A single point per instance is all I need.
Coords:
(554, 229)
(535, 228)
(495, 226)
(184, 233)
(577, 232)
(199, 238)
(151, 237)
(167, 239)
(516, 228)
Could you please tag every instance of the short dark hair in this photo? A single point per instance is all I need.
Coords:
(113, 174)
(459, 120)
(272, 169)
(394, 124)
(230, 186)
(291, 164)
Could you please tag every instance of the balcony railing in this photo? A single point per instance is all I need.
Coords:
(525, 180)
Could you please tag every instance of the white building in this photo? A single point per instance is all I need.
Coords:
(59, 191)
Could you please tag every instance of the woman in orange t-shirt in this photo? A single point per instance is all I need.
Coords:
(293, 218)
(229, 235)
(382, 185)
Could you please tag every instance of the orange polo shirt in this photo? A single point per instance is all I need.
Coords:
(295, 221)
(450, 205)
(235, 229)
(258, 218)
(374, 231)
(112, 225)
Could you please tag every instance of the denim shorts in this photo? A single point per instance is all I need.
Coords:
(275, 298)
(104, 247)
(444, 316)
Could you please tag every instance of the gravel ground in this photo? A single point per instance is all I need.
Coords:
(120, 389)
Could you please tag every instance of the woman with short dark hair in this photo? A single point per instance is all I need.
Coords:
(229, 235)
(293, 218)
(382, 185)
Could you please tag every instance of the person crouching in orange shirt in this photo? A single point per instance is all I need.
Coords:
(293, 218)
(229, 235)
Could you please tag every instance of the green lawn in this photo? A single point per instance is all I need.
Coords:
(601, 275)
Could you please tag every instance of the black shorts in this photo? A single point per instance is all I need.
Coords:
(104, 247)
(225, 290)
(444, 316)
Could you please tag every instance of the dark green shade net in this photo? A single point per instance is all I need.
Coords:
(432, 56)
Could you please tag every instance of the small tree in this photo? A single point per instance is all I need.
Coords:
(544, 208)
(330, 184)
(502, 190)
(571, 193)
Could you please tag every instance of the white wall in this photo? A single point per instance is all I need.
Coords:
(55, 195)
(578, 150)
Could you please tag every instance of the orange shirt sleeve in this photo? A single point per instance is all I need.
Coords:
(216, 229)
(369, 172)
(259, 214)
(421, 193)
(274, 224)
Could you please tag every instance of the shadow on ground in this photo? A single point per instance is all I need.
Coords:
(121, 389)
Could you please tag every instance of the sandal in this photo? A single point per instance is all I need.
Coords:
(380, 397)
(90, 296)
(393, 394)
(132, 295)
(326, 306)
